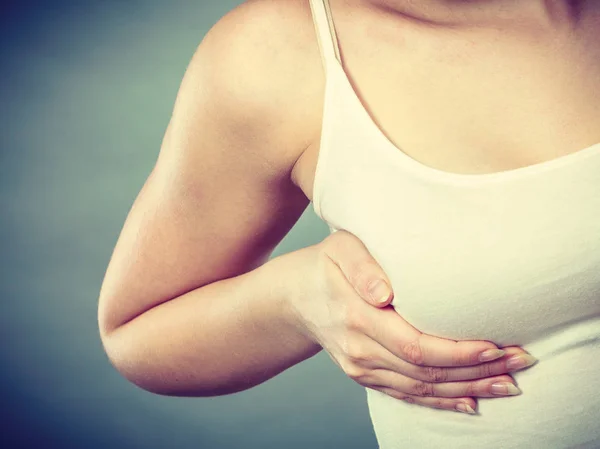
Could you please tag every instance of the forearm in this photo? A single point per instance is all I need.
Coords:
(222, 338)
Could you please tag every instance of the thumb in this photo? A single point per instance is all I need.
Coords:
(359, 267)
(379, 293)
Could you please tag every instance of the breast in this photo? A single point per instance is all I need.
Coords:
(502, 267)
(509, 259)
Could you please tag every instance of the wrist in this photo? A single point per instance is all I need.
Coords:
(288, 279)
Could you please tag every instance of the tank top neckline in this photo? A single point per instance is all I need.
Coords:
(329, 46)
(396, 155)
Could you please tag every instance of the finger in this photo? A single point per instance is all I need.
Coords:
(477, 388)
(504, 365)
(387, 360)
(359, 267)
(455, 404)
(390, 330)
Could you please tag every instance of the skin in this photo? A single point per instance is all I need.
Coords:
(412, 63)
(236, 169)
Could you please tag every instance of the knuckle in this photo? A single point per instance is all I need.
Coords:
(423, 389)
(363, 380)
(358, 355)
(353, 371)
(486, 370)
(413, 352)
(461, 357)
(436, 374)
(471, 389)
(361, 273)
(354, 319)
(398, 395)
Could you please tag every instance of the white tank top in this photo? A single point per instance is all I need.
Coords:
(512, 257)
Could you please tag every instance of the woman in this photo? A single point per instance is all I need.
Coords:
(458, 141)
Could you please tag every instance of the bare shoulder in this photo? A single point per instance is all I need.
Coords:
(270, 48)
(220, 197)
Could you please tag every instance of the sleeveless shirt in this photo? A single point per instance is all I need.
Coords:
(511, 257)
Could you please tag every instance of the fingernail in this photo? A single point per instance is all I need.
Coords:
(465, 408)
(505, 389)
(379, 291)
(520, 361)
(491, 354)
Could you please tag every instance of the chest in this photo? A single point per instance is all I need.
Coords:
(472, 103)
(504, 257)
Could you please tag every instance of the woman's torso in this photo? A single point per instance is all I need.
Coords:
(475, 245)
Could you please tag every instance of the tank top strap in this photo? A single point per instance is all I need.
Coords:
(325, 29)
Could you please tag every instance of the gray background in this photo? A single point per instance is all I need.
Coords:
(87, 89)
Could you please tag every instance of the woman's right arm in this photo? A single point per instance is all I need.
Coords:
(183, 308)
(191, 304)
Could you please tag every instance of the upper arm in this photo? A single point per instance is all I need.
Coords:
(219, 198)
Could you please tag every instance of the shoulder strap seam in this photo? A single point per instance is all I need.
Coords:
(325, 30)
(332, 32)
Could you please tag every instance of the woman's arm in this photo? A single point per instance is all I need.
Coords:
(222, 338)
(172, 312)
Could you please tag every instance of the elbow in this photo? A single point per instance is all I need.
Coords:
(148, 360)
(118, 351)
(124, 353)
(121, 347)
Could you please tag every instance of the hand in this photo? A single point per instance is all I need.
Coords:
(376, 348)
